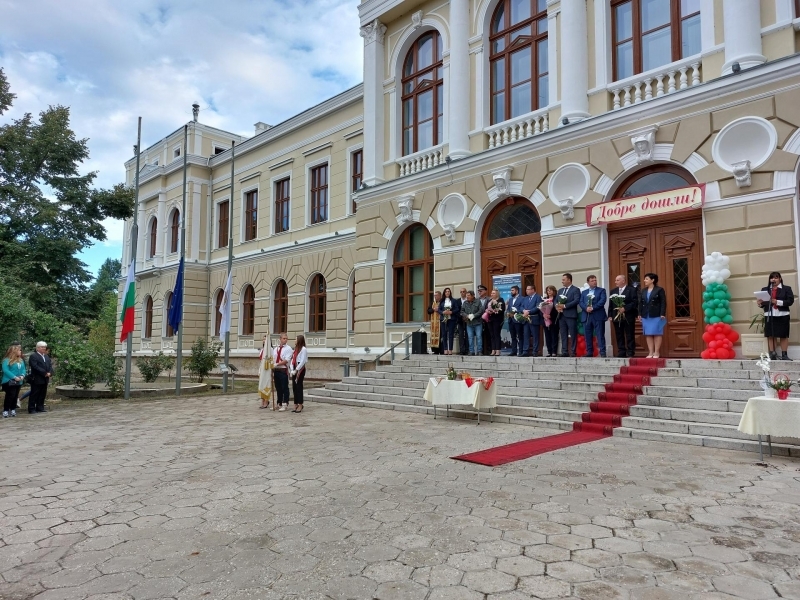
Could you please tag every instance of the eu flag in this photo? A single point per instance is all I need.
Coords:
(176, 310)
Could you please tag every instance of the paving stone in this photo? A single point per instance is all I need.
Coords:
(570, 571)
(544, 586)
(598, 590)
(547, 553)
(400, 590)
(454, 593)
(489, 581)
(743, 587)
(520, 566)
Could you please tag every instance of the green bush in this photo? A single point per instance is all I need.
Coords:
(152, 366)
(203, 358)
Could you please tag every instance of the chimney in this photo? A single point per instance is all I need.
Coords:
(261, 127)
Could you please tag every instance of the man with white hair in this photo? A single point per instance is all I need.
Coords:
(41, 368)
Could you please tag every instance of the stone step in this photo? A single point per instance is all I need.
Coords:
(506, 405)
(779, 448)
(687, 415)
(686, 427)
(457, 412)
(733, 406)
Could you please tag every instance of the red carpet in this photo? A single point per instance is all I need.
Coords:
(603, 416)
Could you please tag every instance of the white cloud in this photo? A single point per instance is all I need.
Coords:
(244, 61)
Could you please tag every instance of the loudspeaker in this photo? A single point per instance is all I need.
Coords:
(419, 342)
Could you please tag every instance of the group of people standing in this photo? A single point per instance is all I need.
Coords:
(288, 364)
(38, 373)
(477, 321)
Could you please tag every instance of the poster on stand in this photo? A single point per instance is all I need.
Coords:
(503, 283)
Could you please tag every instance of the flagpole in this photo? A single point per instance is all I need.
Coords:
(134, 249)
(230, 266)
(179, 357)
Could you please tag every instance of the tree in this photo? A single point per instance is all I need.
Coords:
(49, 211)
(105, 286)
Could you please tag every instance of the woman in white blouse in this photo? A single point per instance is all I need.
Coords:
(297, 371)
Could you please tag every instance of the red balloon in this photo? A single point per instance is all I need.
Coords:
(713, 345)
(733, 336)
(707, 337)
(712, 354)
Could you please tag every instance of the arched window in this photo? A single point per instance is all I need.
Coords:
(518, 58)
(248, 310)
(280, 307)
(514, 220)
(152, 237)
(423, 94)
(413, 275)
(174, 230)
(217, 314)
(651, 180)
(148, 318)
(168, 331)
(316, 304)
(650, 33)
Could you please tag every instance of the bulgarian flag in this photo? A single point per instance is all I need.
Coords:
(128, 303)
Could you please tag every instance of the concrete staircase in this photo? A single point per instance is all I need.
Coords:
(689, 402)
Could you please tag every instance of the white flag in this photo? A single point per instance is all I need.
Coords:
(225, 307)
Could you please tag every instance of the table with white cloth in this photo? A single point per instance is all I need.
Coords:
(770, 416)
(449, 392)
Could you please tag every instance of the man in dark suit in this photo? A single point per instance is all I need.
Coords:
(514, 306)
(41, 368)
(625, 323)
(567, 302)
(593, 317)
(530, 308)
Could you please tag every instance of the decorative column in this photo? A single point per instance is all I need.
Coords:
(141, 246)
(742, 22)
(459, 106)
(373, 34)
(574, 61)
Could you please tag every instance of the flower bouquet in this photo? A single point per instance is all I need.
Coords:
(547, 308)
(521, 318)
(492, 308)
(618, 300)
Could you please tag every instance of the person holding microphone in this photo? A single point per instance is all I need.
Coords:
(776, 315)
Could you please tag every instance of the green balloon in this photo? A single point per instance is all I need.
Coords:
(720, 312)
(723, 287)
(727, 319)
(719, 295)
(714, 320)
(707, 295)
(709, 312)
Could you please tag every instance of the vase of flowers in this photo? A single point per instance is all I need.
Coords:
(782, 384)
(763, 363)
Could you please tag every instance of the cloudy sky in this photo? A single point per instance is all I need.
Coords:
(111, 61)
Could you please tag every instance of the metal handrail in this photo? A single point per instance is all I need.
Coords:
(407, 340)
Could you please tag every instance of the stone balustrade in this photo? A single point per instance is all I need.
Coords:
(653, 84)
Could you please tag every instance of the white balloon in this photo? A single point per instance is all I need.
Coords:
(725, 273)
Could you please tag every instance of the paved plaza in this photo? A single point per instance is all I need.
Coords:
(212, 498)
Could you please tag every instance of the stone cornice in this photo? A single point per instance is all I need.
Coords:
(772, 72)
(306, 117)
(177, 136)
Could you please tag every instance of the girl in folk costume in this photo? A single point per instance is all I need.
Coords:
(433, 311)
(776, 315)
(297, 371)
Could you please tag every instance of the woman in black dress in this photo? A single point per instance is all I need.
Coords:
(496, 308)
(776, 315)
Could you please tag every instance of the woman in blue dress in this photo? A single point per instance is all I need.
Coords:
(653, 314)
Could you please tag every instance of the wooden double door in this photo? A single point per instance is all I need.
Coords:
(674, 251)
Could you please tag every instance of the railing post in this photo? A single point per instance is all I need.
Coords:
(360, 365)
(346, 368)
(408, 347)
(391, 354)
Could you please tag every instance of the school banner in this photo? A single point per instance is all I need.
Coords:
(662, 203)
